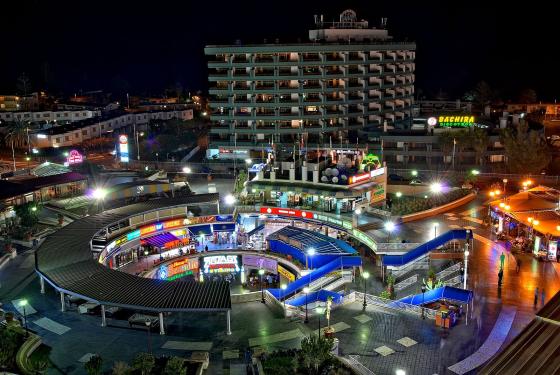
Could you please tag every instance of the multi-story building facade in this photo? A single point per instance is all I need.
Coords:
(348, 77)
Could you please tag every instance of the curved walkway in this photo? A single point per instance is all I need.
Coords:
(65, 261)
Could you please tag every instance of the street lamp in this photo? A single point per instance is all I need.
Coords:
(436, 187)
(148, 327)
(365, 275)
(400, 372)
(23, 303)
(423, 291)
(436, 225)
(187, 170)
(146, 252)
(466, 265)
(398, 194)
(389, 227)
(475, 172)
(229, 199)
(414, 172)
(358, 211)
(310, 252)
(283, 287)
(320, 311)
(306, 291)
(99, 194)
(261, 273)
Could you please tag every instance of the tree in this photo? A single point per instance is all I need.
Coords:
(527, 96)
(93, 365)
(16, 137)
(27, 213)
(144, 362)
(482, 94)
(23, 84)
(175, 366)
(121, 368)
(526, 150)
(39, 366)
(315, 350)
(479, 140)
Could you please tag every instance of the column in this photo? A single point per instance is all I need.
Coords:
(103, 319)
(161, 327)
(42, 281)
(228, 322)
(218, 206)
(62, 302)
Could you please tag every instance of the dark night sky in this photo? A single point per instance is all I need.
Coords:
(149, 46)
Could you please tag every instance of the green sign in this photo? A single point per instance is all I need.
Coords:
(456, 121)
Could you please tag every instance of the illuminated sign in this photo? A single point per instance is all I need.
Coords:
(286, 212)
(552, 250)
(74, 157)
(377, 172)
(132, 235)
(123, 148)
(220, 264)
(260, 262)
(456, 121)
(359, 178)
(285, 273)
(432, 121)
(178, 269)
(537, 245)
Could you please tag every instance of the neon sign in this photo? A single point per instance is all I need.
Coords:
(123, 148)
(456, 121)
(286, 212)
(74, 157)
(359, 178)
(220, 264)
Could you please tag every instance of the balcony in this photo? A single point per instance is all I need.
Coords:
(264, 59)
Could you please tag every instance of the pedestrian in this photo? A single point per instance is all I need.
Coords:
(536, 296)
(543, 296)
(518, 264)
(500, 275)
(206, 248)
(502, 260)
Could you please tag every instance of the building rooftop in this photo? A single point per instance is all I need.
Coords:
(13, 188)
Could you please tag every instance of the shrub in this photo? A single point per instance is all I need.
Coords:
(93, 366)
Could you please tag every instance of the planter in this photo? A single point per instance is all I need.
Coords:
(329, 332)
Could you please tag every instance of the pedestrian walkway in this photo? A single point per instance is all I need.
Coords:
(278, 337)
(492, 344)
(51, 325)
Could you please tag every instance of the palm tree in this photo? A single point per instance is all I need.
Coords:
(480, 144)
(144, 362)
(445, 141)
(16, 136)
(121, 368)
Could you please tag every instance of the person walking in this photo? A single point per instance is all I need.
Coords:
(536, 297)
(500, 276)
(518, 264)
(502, 260)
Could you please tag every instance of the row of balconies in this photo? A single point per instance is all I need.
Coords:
(277, 74)
(221, 63)
(316, 88)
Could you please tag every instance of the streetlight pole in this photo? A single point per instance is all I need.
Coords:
(283, 287)
(466, 265)
(23, 303)
(146, 252)
(311, 252)
(436, 225)
(306, 291)
(319, 310)
(261, 273)
(423, 291)
(148, 326)
(365, 275)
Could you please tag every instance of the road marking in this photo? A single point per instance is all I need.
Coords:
(407, 341)
(384, 350)
(283, 336)
(472, 219)
(51, 325)
(471, 211)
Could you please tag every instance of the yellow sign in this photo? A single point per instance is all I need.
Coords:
(287, 274)
(456, 121)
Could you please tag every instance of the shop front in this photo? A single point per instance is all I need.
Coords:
(179, 269)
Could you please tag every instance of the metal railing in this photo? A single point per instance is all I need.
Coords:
(396, 246)
(448, 271)
(456, 281)
(353, 361)
(406, 283)
(420, 264)
(395, 305)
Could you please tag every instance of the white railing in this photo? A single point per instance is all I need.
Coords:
(395, 305)
(396, 247)
(353, 361)
(456, 281)
(406, 283)
(448, 271)
(344, 280)
(420, 264)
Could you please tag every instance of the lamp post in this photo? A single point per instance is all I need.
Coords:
(23, 303)
(466, 265)
(261, 273)
(310, 253)
(306, 291)
(423, 291)
(146, 252)
(283, 287)
(319, 310)
(248, 162)
(389, 227)
(365, 275)
(148, 327)
(436, 225)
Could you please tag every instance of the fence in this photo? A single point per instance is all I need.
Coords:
(448, 271)
(456, 281)
(420, 264)
(539, 178)
(395, 305)
(406, 283)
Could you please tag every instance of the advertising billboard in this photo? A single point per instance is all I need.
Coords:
(255, 261)
(123, 148)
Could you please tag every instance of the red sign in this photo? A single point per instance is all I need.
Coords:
(359, 178)
(286, 212)
(74, 157)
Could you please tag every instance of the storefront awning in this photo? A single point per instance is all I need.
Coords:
(160, 240)
(204, 229)
(335, 191)
(223, 227)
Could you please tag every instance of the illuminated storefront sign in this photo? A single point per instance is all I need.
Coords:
(552, 250)
(377, 172)
(260, 262)
(359, 178)
(123, 148)
(286, 212)
(74, 157)
(432, 121)
(365, 239)
(132, 235)
(178, 269)
(286, 274)
(456, 121)
(221, 263)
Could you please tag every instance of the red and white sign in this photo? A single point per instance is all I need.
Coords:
(359, 178)
(286, 212)
(123, 139)
(432, 121)
(74, 157)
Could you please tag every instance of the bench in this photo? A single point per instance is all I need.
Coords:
(140, 320)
